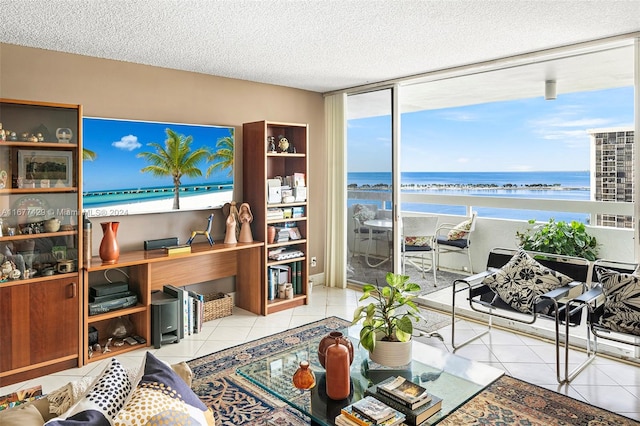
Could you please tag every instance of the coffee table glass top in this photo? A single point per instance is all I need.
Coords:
(453, 378)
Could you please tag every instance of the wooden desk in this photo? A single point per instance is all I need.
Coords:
(151, 270)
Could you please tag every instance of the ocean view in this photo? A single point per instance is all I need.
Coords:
(573, 185)
(92, 199)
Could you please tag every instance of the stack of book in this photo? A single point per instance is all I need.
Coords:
(282, 274)
(191, 313)
(275, 213)
(369, 411)
(411, 399)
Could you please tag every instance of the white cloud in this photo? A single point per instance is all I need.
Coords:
(127, 143)
(458, 116)
(463, 160)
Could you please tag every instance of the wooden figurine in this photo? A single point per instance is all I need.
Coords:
(231, 237)
(245, 217)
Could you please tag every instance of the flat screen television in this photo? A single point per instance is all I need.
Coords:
(138, 167)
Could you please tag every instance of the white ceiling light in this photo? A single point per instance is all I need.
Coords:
(550, 90)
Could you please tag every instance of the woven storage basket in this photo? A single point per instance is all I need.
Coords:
(217, 305)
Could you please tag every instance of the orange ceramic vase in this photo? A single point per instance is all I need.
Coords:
(329, 340)
(109, 249)
(337, 366)
(304, 378)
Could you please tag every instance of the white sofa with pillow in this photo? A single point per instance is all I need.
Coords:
(120, 397)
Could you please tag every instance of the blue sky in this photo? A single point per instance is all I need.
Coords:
(520, 135)
(118, 142)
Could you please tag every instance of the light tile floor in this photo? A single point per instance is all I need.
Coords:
(606, 383)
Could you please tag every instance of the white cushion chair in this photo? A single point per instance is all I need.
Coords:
(418, 241)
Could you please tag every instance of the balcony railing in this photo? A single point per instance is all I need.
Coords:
(614, 243)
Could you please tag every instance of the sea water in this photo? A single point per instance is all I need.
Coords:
(92, 199)
(570, 185)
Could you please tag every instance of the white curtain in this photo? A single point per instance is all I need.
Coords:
(335, 241)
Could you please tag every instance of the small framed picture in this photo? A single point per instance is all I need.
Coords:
(45, 167)
(294, 233)
(59, 252)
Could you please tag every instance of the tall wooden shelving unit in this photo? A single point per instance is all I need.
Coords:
(40, 174)
(260, 164)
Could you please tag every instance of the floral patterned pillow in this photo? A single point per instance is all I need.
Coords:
(363, 212)
(522, 280)
(416, 241)
(622, 300)
(460, 230)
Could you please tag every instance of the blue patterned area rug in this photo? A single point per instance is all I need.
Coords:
(236, 401)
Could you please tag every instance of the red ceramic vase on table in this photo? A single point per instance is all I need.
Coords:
(329, 340)
(109, 249)
(337, 368)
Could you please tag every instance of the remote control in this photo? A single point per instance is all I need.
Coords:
(140, 339)
(131, 341)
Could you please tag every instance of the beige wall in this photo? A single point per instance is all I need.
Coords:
(114, 89)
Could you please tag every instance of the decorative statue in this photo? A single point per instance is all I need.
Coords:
(245, 218)
(231, 237)
(206, 232)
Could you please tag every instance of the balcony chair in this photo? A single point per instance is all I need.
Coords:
(612, 309)
(361, 213)
(521, 287)
(452, 238)
(418, 240)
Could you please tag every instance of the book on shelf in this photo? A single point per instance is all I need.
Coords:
(286, 254)
(298, 179)
(404, 391)
(275, 213)
(297, 211)
(299, 277)
(272, 284)
(414, 417)
(294, 277)
(374, 409)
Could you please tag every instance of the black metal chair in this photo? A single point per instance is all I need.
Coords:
(594, 302)
(550, 305)
(461, 245)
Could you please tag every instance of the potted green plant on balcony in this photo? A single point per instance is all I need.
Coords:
(569, 239)
(387, 321)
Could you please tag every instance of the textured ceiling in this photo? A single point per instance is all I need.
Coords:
(314, 45)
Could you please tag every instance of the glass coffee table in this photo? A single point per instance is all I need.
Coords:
(453, 378)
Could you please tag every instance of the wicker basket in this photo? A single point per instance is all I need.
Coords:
(217, 305)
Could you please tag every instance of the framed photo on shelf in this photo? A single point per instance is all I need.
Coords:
(294, 233)
(56, 167)
(59, 252)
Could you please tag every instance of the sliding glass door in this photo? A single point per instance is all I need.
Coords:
(370, 186)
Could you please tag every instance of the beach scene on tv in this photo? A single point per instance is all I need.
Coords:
(135, 167)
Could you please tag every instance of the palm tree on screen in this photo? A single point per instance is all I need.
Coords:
(88, 155)
(175, 159)
(222, 158)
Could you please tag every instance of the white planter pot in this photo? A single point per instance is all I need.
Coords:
(392, 354)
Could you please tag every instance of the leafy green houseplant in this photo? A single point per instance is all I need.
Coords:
(570, 239)
(389, 316)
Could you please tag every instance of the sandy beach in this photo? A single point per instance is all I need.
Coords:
(191, 202)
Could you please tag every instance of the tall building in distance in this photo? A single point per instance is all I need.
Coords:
(612, 171)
